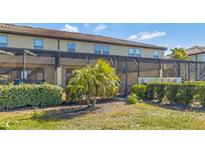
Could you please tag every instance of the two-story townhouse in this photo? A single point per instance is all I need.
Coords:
(58, 52)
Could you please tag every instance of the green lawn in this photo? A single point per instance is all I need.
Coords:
(114, 115)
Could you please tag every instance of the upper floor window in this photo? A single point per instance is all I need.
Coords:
(106, 50)
(137, 52)
(102, 49)
(71, 46)
(134, 52)
(3, 41)
(38, 44)
(156, 54)
(98, 49)
(131, 52)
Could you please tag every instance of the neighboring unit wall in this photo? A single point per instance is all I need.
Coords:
(201, 57)
(20, 41)
(198, 57)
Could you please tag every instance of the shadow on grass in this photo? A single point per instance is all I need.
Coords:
(176, 106)
(70, 111)
(63, 114)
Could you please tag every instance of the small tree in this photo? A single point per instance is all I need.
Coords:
(178, 53)
(94, 81)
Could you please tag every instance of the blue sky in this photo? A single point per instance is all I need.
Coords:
(168, 35)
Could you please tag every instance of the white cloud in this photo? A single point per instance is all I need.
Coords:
(70, 28)
(100, 27)
(132, 37)
(178, 46)
(146, 35)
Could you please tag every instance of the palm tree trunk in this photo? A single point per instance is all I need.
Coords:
(94, 101)
(88, 101)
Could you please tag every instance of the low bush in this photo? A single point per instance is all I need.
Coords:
(139, 90)
(12, 96)
(184, 93)
(133, 99)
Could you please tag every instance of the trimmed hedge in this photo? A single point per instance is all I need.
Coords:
(139, 90)
(39, 95)
(185, 93)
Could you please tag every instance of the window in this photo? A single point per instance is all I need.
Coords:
(131, 52)
(38, 44)
(24, 74)
(156, 54)
(106, 50)
(71, 46)
(98, 49)
(3, 41)
(137, 52)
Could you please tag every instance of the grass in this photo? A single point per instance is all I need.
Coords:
(115, 115)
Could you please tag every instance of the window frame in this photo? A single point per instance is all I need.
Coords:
(98, 51)
(71, 49)
(133, 52)
(5, 44)
(36, 46)
(156, 55)
(104, 52)
(137, 55)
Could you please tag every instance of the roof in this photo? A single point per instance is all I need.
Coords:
(195, 50)
(49, 33)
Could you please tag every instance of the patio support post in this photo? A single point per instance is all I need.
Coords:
(24, 64)
(58, 70)
(188, 71)
(87, 60)
(179, 69)
(160, 69)
(115, 64)
(138, 67)
(126, 78)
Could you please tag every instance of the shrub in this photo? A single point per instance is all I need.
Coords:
(29, 95)
(150, 91)
(172, 92)
(184, 93)
(139, 90)
(132, 99)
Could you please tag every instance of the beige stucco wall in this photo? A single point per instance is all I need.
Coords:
(20, 41)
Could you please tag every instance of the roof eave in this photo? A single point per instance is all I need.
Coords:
(84, 40)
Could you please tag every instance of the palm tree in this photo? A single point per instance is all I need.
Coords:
(178, 53)
(106, 82)
(94, 81)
